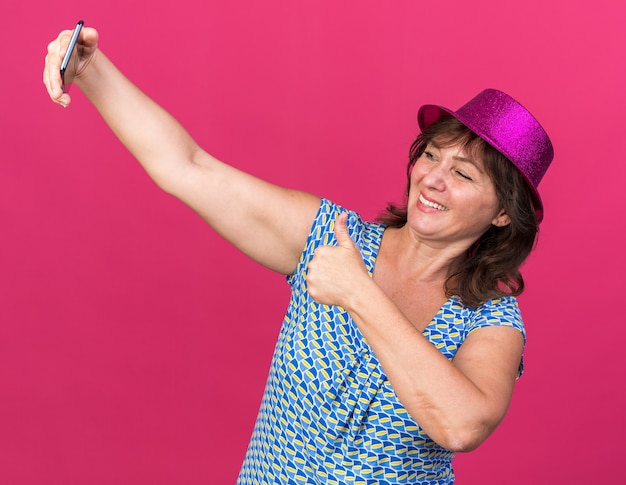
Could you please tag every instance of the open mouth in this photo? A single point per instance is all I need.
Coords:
(433, 205)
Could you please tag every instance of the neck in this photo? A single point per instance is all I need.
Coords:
(418, 260)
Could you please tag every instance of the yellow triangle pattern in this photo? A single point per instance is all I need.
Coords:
(329, 414)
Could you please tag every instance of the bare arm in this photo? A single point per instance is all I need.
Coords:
(459, 403)
(268, 223)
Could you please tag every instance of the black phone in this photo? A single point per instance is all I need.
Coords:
(70, 51)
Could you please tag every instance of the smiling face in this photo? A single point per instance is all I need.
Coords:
(452, 199)
(457, 185)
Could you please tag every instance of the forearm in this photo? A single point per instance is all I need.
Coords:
(450, 408)
(153, 136)
(236, 204)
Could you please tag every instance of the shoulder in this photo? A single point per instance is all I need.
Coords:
(503, 312)
(322, 230)
(366, 235)
(483, 326)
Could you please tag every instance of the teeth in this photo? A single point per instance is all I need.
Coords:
(432, 204)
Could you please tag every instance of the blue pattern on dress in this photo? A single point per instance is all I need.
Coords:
(329, 414)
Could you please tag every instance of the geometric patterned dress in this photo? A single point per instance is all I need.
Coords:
(329, 414)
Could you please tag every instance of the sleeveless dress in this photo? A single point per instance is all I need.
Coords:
(329, 414)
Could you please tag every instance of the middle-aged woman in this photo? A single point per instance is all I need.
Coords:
(403, 338)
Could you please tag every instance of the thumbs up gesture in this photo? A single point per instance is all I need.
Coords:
(336, 272)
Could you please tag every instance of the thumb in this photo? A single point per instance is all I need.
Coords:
(341, 230)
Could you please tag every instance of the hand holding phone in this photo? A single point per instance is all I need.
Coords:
(68, 54)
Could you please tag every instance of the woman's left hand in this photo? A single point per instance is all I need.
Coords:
(336, 272)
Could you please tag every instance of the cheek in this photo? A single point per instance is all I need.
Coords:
(486, 205)
(416, 173)
(412, 178)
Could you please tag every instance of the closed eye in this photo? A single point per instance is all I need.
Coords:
(464, 175)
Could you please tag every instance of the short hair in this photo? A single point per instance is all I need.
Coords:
(490, 268)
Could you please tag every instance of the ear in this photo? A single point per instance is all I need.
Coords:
(502, 219)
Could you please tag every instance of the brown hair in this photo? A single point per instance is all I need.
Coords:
(490, 268)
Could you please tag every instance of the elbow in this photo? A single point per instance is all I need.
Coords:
(462, 439)
(461, 430)
(460, 444)
(179, 177)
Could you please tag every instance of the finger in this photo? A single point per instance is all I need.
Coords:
(52, 75)
(341, 230)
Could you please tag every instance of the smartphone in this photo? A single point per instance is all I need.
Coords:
(70, 50)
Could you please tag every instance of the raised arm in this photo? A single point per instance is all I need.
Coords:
(268, 223)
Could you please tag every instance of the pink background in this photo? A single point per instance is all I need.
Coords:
(134, 343)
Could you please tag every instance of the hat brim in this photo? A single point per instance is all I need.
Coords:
(430, 113)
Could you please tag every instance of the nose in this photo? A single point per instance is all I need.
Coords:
(434, 177)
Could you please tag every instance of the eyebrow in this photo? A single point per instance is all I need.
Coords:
(458, 158)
